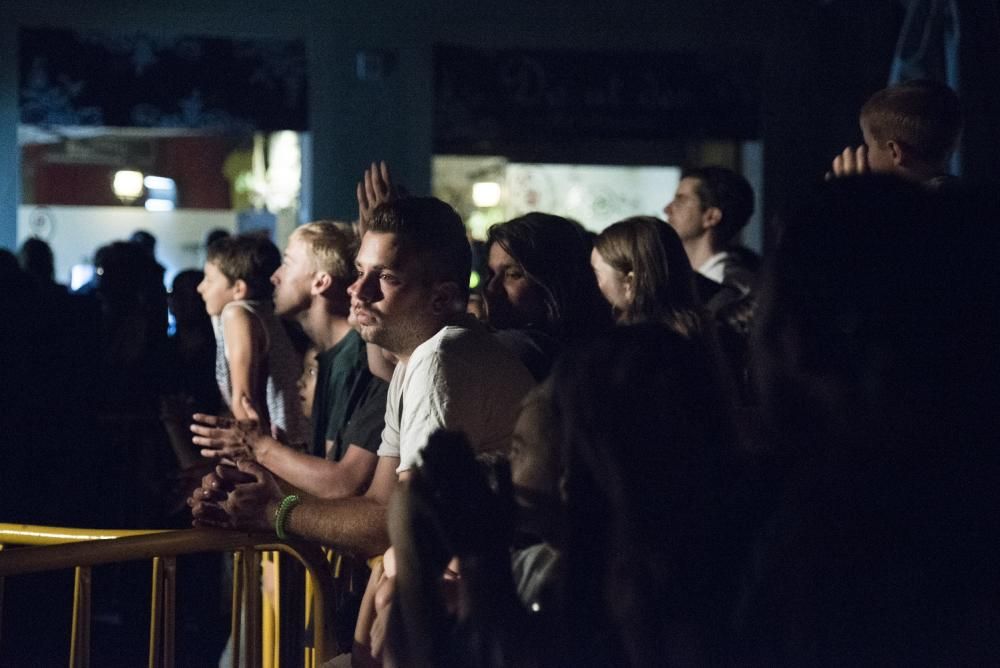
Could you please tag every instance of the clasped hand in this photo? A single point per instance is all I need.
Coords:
(235, 497)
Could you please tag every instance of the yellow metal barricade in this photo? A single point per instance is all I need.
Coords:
(256, 626)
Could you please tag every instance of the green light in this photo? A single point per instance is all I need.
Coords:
(474, 280)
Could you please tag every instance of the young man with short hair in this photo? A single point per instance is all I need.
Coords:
(710, 208)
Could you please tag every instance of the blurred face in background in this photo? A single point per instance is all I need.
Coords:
(513, 299)
(307, 381)
(613, 283)
(685, 212)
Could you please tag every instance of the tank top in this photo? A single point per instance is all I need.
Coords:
(282, 368)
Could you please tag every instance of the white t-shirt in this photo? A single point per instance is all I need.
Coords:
(461, 379)
(714, 267)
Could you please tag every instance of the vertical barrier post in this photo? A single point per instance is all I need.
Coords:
(252, 609)
(161, 615)
(169, 610)
(155, 616)
(236, 627)
(79, 644)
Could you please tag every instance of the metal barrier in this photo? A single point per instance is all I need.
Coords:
(56, 548)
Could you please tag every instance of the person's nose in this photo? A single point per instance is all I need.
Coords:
(276, 277)
(362, 288)
(493, 284)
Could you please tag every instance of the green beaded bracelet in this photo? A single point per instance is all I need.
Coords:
(281, 514)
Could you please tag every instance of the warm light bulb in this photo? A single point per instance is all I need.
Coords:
(127, 184)
(485, 194)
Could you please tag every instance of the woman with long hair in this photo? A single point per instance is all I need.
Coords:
(643, 272)
(540, 293)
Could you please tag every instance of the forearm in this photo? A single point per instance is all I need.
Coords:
(316, 476)
(356, 525)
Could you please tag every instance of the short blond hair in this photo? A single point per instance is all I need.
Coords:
(332, 246)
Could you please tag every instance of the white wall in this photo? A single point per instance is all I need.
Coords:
(75, 232)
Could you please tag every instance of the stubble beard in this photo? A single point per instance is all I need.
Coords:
(398, 339)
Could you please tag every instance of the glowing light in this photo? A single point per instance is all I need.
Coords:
(474, 280)
(127, 185)
(154, 204)
(159, 183)
(80, 274)
(485, 194)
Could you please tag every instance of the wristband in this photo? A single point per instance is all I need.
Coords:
(281, 514)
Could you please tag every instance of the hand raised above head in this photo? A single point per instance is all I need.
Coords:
(375, 188)
(227, 438)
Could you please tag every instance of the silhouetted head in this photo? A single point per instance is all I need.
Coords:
(36, 258)
(145, 241)
(855, 320)
(645, 441)
(184, 301)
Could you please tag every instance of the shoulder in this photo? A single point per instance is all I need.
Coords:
(534, 348)
(353, 350)
(468, 357)
(237, 315)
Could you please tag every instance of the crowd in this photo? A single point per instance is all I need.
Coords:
(649, 448)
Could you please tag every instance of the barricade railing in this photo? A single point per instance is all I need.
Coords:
(42, 549)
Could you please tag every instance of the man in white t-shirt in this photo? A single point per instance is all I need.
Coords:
(409, 298)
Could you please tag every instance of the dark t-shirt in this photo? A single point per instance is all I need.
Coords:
(364, 426)
(342, 381)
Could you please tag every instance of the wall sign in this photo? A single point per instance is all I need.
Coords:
(141, 80)
(498, 96)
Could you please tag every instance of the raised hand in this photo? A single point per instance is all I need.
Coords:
(851, 161)
(374, 189)
(229, 439)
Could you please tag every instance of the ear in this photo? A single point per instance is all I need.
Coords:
(321, 282)
(240, 289)
(445, 299)
(711, 217)
(630, 287)
(897, 152)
